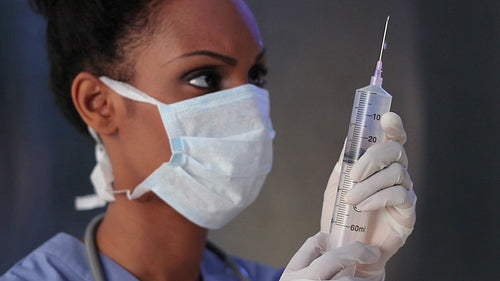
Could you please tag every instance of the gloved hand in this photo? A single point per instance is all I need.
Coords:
(384, 187)
(311, 262)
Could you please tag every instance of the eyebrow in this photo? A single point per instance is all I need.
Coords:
(226, 59)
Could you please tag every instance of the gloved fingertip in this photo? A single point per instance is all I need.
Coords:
(365, 206)
(348, 198)
(351, 197)
(393, 127)
(321, 239)
(391, 119)
(356, 172)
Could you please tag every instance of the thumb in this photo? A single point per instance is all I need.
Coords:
(393, 127)
(333, 261)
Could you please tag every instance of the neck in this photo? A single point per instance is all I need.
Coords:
(151, 240)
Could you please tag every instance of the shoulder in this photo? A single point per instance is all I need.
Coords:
(258, 271)
(60, 258)
(214, 267)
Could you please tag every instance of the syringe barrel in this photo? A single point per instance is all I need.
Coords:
(349, 225)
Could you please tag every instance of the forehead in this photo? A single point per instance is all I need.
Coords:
(226, 26)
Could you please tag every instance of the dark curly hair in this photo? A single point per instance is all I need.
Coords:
(95, 36)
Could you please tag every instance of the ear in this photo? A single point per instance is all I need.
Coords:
(94, 103)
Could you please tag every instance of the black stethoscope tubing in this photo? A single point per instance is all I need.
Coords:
(95, 264)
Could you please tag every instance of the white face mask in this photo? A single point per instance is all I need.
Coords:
(221, 154)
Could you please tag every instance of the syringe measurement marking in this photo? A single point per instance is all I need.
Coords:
(361, 110)
(342, 214)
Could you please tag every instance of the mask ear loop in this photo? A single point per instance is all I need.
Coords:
(128, 91)
(101, 178)
(102, 174)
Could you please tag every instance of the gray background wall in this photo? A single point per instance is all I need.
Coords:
(439, 67)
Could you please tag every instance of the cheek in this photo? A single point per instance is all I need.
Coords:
(148, 140)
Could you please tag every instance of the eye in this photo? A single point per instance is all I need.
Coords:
(257, 75)
(208, 79)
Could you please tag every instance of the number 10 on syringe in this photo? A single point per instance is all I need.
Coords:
(348, 224)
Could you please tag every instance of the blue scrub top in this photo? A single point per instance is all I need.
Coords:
(63, 257)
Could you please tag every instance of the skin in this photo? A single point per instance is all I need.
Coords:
(200, 42)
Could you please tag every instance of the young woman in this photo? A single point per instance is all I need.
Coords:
(172, 93)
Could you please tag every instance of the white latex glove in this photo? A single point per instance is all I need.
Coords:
(384, 187)
(311, 262)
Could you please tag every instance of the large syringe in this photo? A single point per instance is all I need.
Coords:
(348, 224)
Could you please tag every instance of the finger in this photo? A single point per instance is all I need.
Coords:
(397, 196)
(394, 174)
(393, 127)
(334, 260)
(310, 250)
(352, 278)
(376, 158)
(406, 212)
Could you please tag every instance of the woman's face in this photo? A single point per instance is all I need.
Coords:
(202, 46)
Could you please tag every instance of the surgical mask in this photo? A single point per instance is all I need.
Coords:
(221, 147)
